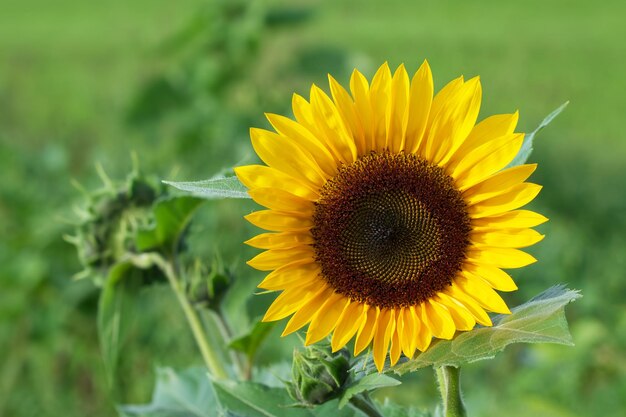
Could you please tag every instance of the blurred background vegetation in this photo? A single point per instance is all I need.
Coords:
(180, 83)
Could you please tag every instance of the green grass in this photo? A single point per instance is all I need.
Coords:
(69, 72)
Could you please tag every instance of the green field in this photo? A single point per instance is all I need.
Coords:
(85, 83)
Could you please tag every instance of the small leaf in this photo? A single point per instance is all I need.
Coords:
(366, 383)
(527, 145)
(250, 342)
(213, 188)
(184, 394)
(540, 320)
(171, 216)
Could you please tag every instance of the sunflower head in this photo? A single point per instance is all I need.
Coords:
(391, 213)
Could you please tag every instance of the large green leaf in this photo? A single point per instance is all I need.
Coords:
(391, 409)
(527, 145)
(171, 216)
(541, 320)
(256, 400)
(213, 188)
(186, 394)
(249, 399)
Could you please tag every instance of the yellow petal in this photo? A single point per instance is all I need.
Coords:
(360, 92)
(303, 111)
(285, 156)
(398, 110)
(380, 95)
(455, 121)
(444, 96)
(349, 323)
(281, 200)
(520, 238)
(517, 219)
(498, 183)
(273, 259)
(494, 276)
(482, 293)
(308, 310)
(409, 330)
(260, 176)
(302, 137)
(347, 110)
(326, 318)
(456, 293)
(461, 316)
(277, 221)
(396, 348)
(289, 301)
(284, 240)
(424, 335)
(330, 123)
(490, 128)
(367, 329)
(438, 320)
(500, 257)
(294, 273)
(384, 328)
(486, 160)
(420, 100)
(516, 197)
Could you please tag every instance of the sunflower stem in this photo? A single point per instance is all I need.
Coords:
(365, 404)
(209, 354)
(449, 379)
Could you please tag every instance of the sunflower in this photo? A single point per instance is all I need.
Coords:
(392, 213)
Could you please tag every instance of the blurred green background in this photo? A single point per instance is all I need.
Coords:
(180, 83)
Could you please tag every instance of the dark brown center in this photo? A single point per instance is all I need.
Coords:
(390, 230)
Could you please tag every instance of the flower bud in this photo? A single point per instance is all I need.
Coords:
(318, 375)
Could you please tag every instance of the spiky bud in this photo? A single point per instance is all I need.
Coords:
(318, 375)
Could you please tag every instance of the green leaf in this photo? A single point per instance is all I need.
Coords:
(366, 383)
(120, 287)
(256, 400)
(171, 216)
(540, 320)
(213, 188)
(527, 145)
(250, 342)
(186, 394)
(249, 399)
(391, 409)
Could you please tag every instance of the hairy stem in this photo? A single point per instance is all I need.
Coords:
(450, 389)
(214, 364)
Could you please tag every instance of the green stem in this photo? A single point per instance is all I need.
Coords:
(226, 335)
(214, 364)
(364, 404)
(450, 389)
